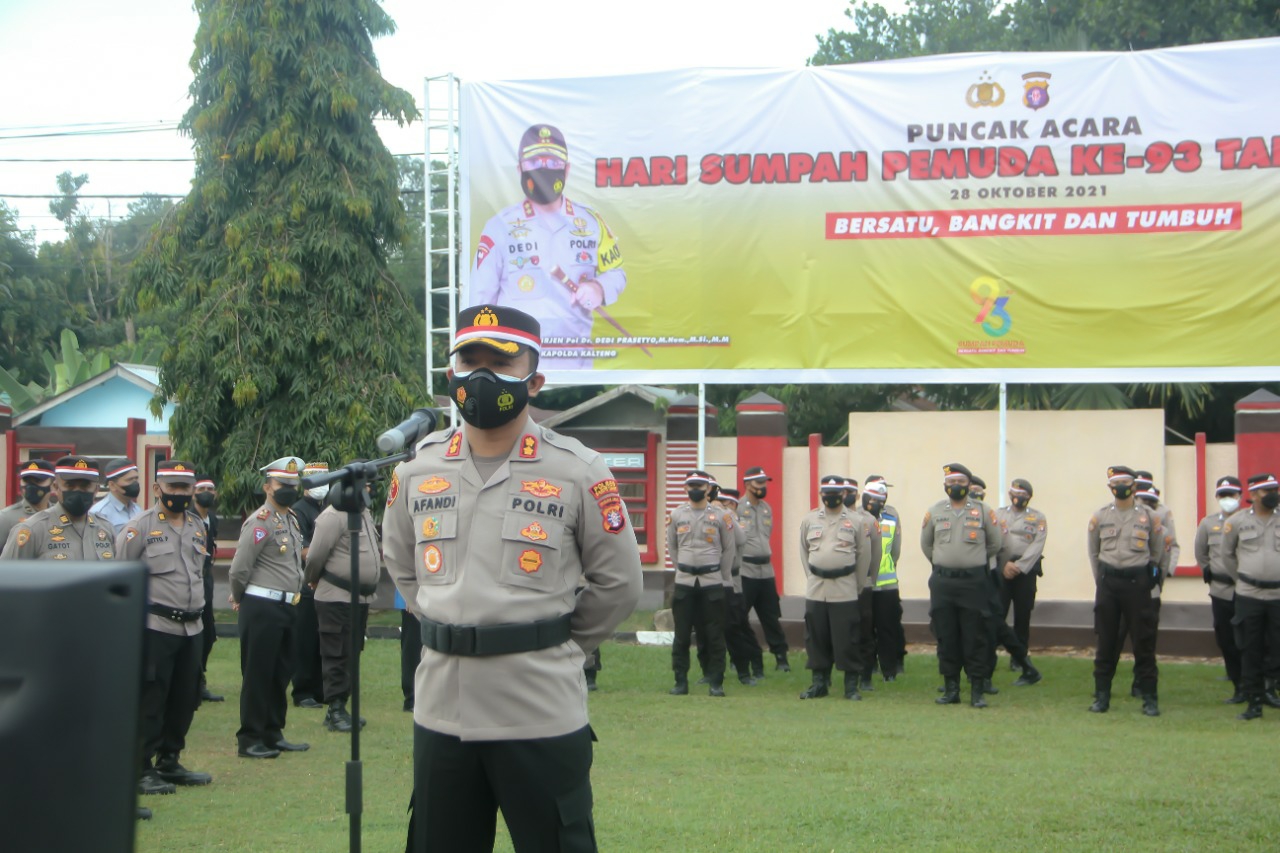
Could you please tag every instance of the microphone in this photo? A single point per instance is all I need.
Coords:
(409, 431)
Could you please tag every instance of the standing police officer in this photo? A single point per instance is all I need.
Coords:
(1021, 557)
(959, 537)
(739, 638)
(66, 530)
(121, 502)
(204, 501)
(172, 542)
(1222, 584)
(308, 683)
(36, 477)
(489, 533)
(1125, 545)
(701, 545)
(265, 576)
(886, 602)
(866, 614)
(836, 555)
(1251, 553)
(759, 587)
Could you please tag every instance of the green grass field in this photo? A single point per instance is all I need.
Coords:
(761, 771)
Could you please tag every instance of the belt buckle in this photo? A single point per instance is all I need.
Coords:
(297, 596)
(462, 639)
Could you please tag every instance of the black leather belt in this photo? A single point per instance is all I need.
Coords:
(1109, 571)
(832, 574)
(1260, 584)
(757, 561)
(343, 583)
(976, 571)
(174, 614)
(1220, 577)
(698, 570)
(488, 640)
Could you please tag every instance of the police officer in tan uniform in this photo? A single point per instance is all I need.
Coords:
(265, 576)
(66, 530)
(1251, 553)
(866, 609)
(488, 534)
(1125, 545)
(701, 546)
(1222, 584)
(759, 586)
(835, 551)
(329, 574)
(172, 541)
(741, 641)
(959, 538)
(36, 479)
(1019, 562)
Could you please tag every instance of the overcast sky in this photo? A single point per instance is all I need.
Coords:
(72, 63)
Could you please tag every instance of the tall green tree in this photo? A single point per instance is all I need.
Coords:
(294, 339)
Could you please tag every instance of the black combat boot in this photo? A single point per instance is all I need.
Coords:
(745, 678)
(591, 680)
(818, 689)
(168, 769)
(1030, 675)
(1254, 711)
(682, 685)
(336, 719)
(151, 783)
(715, 684)
(1236, 698)
(1150, 706)
(977, 689)
(989, 687)
(1269, 696)
(865, 682)
(1101, 701)
(950, 692)
(851, 687)
(782, 666)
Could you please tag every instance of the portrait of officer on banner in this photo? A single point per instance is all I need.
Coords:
(549, 256)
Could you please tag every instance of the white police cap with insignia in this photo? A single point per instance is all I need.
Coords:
(286, 469)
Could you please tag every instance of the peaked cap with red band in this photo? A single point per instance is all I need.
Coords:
(497, 327)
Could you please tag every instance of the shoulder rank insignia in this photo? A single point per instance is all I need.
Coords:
(455, 445)
(528, 447)
(264, 513)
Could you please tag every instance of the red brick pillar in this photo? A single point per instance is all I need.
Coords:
(1258, 434)
(762, 436)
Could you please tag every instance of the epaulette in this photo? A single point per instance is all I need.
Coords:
(437, 437)
(572, 445)
(265, 512)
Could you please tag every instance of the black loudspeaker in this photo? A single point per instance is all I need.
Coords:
(70, 673)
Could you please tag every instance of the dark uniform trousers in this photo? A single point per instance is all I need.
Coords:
(1257, 625)
(209, 635)
(698, 608)
(998, 631)
(886, 617)
(267, 630)
(410, 653)
(761, 595)
(1020, 592)
(1224, 612)
(957, 608)
(170, 692)
(739, 639)
(308, 683)
(866, 636)
(831, 635)
(542, 787)
(1125, 605)
(334, 620)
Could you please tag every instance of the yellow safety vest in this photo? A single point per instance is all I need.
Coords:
(888, 532)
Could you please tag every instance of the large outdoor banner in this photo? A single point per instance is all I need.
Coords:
(982, 217)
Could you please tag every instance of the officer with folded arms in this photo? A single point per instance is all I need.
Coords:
(1251, 553)
(172, 541)
(36, 479)
(1222, 584)
(265, 576)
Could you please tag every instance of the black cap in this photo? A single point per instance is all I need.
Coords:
(1119, 471)
(176, 470)
(878, 478)
(831, 483)
(1228, 484)
(1021, 485)
(1263, 481)
(756, 473)
(543, 139)
(118, 468)
(701, 478)
(956, 468)
(731, 494)
(77, 468)
(497, 327)
(1144, 477)
(975, 480)
(36, 469)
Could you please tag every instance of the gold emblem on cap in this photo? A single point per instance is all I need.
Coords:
(33, 467)
(946, 469)
(292, 467)
(179, 467)
(486, 317)
(81, 464)
(544, 133)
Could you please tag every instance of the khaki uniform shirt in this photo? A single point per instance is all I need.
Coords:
(871, 544)
(330, 551)
(1208, 550)
(1025, 531)
(1172, 551)
(51, 535)
(757, 521)
(702, 537)
(1125, 539)
(740, 542)
(268, 554)
(964, 538)
(511, 550)
(1251, 546)
(175, 564)
(831, 539)
(11, 515)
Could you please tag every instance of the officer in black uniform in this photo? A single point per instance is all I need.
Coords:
(308, 684)
(205, 500)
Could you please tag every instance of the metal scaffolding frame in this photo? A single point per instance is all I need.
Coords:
(441, 121)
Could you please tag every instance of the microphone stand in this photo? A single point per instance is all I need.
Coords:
(349, 494)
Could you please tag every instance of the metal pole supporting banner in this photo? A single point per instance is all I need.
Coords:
(702, 426)
(1004, 441)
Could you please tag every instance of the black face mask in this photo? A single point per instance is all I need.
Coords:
(956, 493)
(76, 503)
(851, 500)
(760, 492)
(542, 186)
(33, 494)
(1122, 492)
(697, 495)
(208, 500)
(175, 503)
(1270, 500)
(132, 490)
(487, 402)
(873, 507)
(285, 496)
(1020, 503)
(832, 501)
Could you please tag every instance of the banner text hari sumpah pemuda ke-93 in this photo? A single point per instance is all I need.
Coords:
(983, 217)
